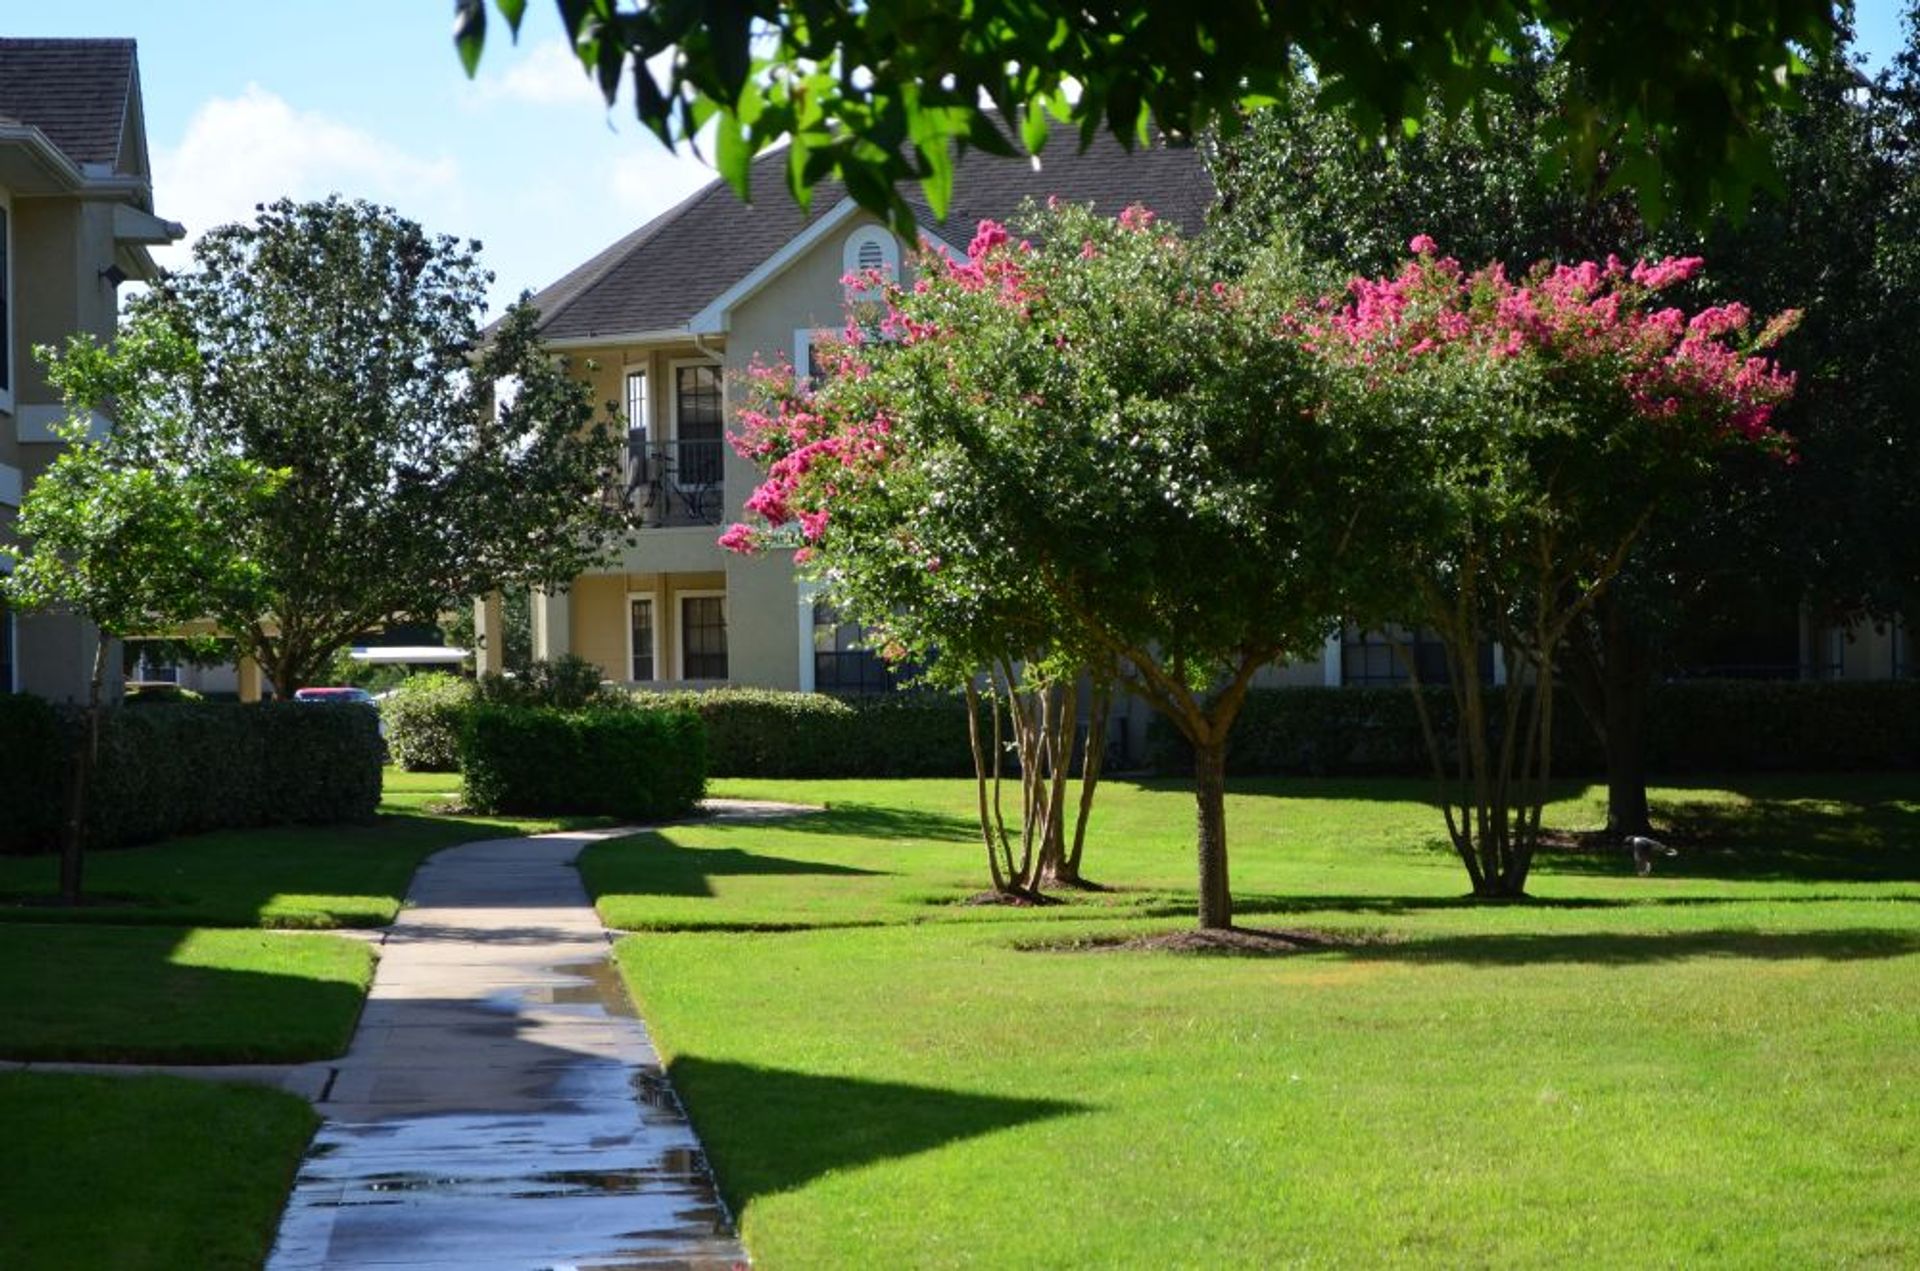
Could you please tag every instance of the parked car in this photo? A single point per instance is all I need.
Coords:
(344, 693)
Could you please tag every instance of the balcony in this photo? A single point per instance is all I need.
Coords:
(668, 484)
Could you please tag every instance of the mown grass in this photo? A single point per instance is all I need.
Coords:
(1716, 1065)
(143, 1173)
(168, 995)
(279, 876)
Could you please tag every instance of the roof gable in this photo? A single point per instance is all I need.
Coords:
(679, 266)
(76, 92)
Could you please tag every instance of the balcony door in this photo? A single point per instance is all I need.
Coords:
(699, 422)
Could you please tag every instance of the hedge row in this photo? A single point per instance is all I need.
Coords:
(765, 733)
(184, 768)
(627, 762)
(1693, 726)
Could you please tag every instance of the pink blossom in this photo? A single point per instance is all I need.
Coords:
(1423, 245)
(738, 538)
(988, 236)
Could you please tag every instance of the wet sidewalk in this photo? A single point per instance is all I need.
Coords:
(501, 1105)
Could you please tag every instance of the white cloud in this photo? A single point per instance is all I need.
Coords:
(254, 148)
(548, 74)
(647, 179)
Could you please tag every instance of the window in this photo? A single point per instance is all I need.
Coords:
(1369, 657)
(150, 662)
(842, 662)
(6, 649)
(698, 423)
(642, 638)
(637, 416)
(703, 637)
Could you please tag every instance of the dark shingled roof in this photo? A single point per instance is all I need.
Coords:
(74, 91)
(665, 272)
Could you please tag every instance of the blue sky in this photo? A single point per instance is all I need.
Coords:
(250, 99)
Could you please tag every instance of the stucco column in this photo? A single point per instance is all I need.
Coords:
(552, 624)
(1330, 660)
(1499, 664)
(805, 591)
(249, 676)
(489, 636)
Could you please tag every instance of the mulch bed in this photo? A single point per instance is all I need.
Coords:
(1244, 942)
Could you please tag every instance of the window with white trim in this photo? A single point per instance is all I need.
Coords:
(643, 639)
(703, 637)
(637, 412)
(6, 305)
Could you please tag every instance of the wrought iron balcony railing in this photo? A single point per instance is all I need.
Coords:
(672, 483)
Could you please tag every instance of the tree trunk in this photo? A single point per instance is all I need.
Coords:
(1629, 674)
(86, 755)
(1210, 796)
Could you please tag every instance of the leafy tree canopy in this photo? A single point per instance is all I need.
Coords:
(338, 345)
(880, 95)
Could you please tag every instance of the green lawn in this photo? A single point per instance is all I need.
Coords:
(282, 876)
(1717, 1065)
(174, 995)
(143, 1173)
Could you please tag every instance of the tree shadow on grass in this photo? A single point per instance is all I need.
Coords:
(770, 1130)
(654, 865)
(878, 821)
(1626, 949)
(1828, 835)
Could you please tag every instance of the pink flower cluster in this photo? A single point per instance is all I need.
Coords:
(1666, 363)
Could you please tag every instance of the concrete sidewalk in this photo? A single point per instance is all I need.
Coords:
(501, 1106)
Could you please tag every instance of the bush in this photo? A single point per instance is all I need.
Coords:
(181, 768)
(33, 775)
(634, 763)
(423, 721)
(1692, 726)
(568, 682)
(765, 733)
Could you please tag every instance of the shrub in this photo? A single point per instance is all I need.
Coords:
(568, 682)
(423, 721)
(636, 763)
(1692, 726)
(181, 768)
(33, 776)
(765, 733)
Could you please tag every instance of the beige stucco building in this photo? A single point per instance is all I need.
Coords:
(668, 320)
(76, 220)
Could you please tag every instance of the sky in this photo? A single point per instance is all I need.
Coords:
(248, 100)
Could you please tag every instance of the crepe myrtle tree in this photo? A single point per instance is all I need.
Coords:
(1088, 419)
(879, 95)
(1547, 420)
(935, 594)
(339, 344)
(128, 528)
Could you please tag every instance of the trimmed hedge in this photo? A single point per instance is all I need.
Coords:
(642, 764)
(424, 717)
(766, 733)
(1692, 726)
(33, 775)
(182, 768)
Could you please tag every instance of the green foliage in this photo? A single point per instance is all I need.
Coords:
(878, 95)
(765, 733)
(423, 718)
(1717, 726)
(132, 528)
(568, 682)
(637, 764)
(406, 487)
(169, 769)
(33, 774)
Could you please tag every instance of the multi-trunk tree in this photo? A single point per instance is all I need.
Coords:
(1549, 419)
(1086, 431)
